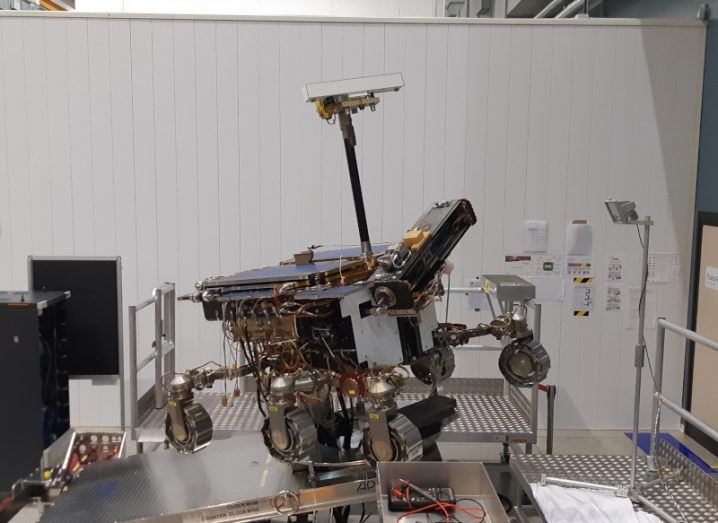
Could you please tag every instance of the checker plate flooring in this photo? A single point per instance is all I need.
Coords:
(615, 470)
(486, 414)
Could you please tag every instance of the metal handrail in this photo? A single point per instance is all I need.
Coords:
(683, 413)
(658, 397)
(689, 334)
(163, 355)
(466, 289)
(479, 290)
(536, 336)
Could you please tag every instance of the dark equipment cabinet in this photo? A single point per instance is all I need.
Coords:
(33, 358)
(94, 314)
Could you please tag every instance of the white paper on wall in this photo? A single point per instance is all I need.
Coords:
(614, 267)
(519, 264)
(664, 267)
(579, 238)
(548, 265)
(582, 296)
(711, 281)
(613, 298)
(535, 236)
(630, 309)
(579, 265)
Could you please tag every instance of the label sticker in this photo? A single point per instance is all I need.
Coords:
(711, 278)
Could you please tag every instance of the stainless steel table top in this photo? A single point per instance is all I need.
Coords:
(165, 482)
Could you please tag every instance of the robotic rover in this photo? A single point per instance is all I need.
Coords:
(330, 335)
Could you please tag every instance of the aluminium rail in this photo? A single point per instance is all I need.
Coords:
(504, 307)
(658, 397)
(702, 488)
(163, 354)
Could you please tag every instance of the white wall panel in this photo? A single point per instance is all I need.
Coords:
(185, 147)
(207, 107)
(270, 143)
(291, 111)
(37, 132)
(188, 255)
(331, 148)
(17, 154)
(372, 8)
(310, 206)
(100, 98)
(392, 207)
(6, 257)
(371, 157)
(352, 43)
(249, 167)
(79, 107)
(415, 73)
(122, 166)
(58, 127)
(475, 176)
(598, 163)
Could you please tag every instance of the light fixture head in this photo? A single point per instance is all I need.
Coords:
(622, 211)
(352, 87)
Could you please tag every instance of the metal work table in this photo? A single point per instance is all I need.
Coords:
(694, 491)
(234, 477)
(489, 411)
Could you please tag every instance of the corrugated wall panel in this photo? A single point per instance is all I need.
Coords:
(185, 147)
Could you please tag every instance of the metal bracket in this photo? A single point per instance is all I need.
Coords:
(286, 502)
(638, 357)
(621, 491)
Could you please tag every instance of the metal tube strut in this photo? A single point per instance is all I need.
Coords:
(345, 121)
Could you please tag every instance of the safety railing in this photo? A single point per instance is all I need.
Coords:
(163, 352)
(659, 399)
(504, 307)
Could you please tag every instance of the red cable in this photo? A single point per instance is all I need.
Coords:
(468, 510)
(422, 509)
(407, 495)
(443, 507)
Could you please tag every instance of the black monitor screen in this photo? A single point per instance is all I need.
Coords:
(93, 328)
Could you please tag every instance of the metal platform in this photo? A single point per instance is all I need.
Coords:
(232, 480)
(695, 492)
(489, 411)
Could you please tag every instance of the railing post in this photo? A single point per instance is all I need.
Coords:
(168, 326)
(688, 416)
(537, 321)
(159, 397)
(551, 403)
(172, 325)
(658, 382)
(132, 313)
(639, 351)
(534, 390)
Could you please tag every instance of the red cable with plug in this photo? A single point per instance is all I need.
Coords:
(443, 507)
(405, 494)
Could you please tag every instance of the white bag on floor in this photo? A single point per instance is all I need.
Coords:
(577, 505)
